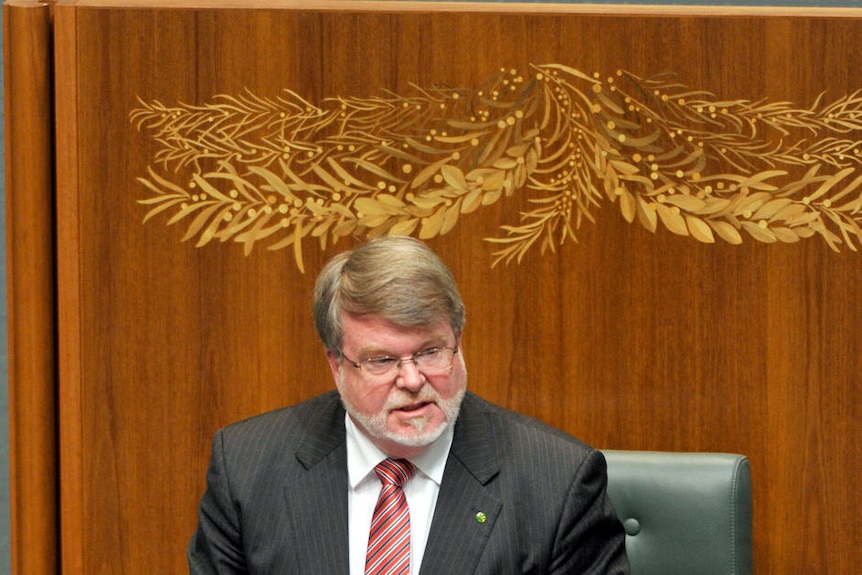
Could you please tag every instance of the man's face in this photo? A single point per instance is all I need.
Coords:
(404, 411)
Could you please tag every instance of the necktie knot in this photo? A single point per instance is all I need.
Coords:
(394, 471)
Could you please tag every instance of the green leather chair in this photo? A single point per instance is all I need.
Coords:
(684, 513)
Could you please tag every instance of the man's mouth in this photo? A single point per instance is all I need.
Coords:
(412, 407)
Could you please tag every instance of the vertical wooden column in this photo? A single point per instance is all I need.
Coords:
(31, 285)
(73, 516)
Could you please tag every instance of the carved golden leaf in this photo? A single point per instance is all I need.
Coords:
(249, 168)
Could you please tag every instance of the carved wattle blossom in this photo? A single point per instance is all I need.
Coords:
(281, 171)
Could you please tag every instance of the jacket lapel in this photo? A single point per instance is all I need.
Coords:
(316, 494)
(466, 508)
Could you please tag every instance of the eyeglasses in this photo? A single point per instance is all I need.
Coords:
(431, 361)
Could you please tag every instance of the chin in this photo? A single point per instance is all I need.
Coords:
(417, 438)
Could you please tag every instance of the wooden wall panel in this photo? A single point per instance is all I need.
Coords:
(31, 287)
(627, 338)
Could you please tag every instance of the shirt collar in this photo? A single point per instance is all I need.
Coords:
(363, 455)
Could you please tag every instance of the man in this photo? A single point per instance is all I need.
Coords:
(401, 470)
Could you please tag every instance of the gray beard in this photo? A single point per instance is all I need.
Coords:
(375, 425)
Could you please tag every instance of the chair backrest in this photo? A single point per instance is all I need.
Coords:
(684, 513)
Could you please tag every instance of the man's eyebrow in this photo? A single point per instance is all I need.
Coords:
(371, 352)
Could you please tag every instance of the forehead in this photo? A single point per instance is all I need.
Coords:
(374, 333)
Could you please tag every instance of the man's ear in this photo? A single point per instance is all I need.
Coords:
(334, 360)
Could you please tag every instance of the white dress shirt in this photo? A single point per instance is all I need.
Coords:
(421, 491)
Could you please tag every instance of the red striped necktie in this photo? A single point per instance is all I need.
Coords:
(389, 539)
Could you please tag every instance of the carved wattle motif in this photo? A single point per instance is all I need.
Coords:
(282, 171)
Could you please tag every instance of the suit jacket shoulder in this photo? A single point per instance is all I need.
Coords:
(312, 427)
(276, 498)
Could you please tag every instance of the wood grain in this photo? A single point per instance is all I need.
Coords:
(31, 282)
(629, 339)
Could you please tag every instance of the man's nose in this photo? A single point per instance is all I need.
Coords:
(409, 376)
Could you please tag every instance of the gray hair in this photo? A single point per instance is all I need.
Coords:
(398, 278)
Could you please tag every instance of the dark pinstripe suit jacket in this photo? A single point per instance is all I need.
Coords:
(276, 498)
